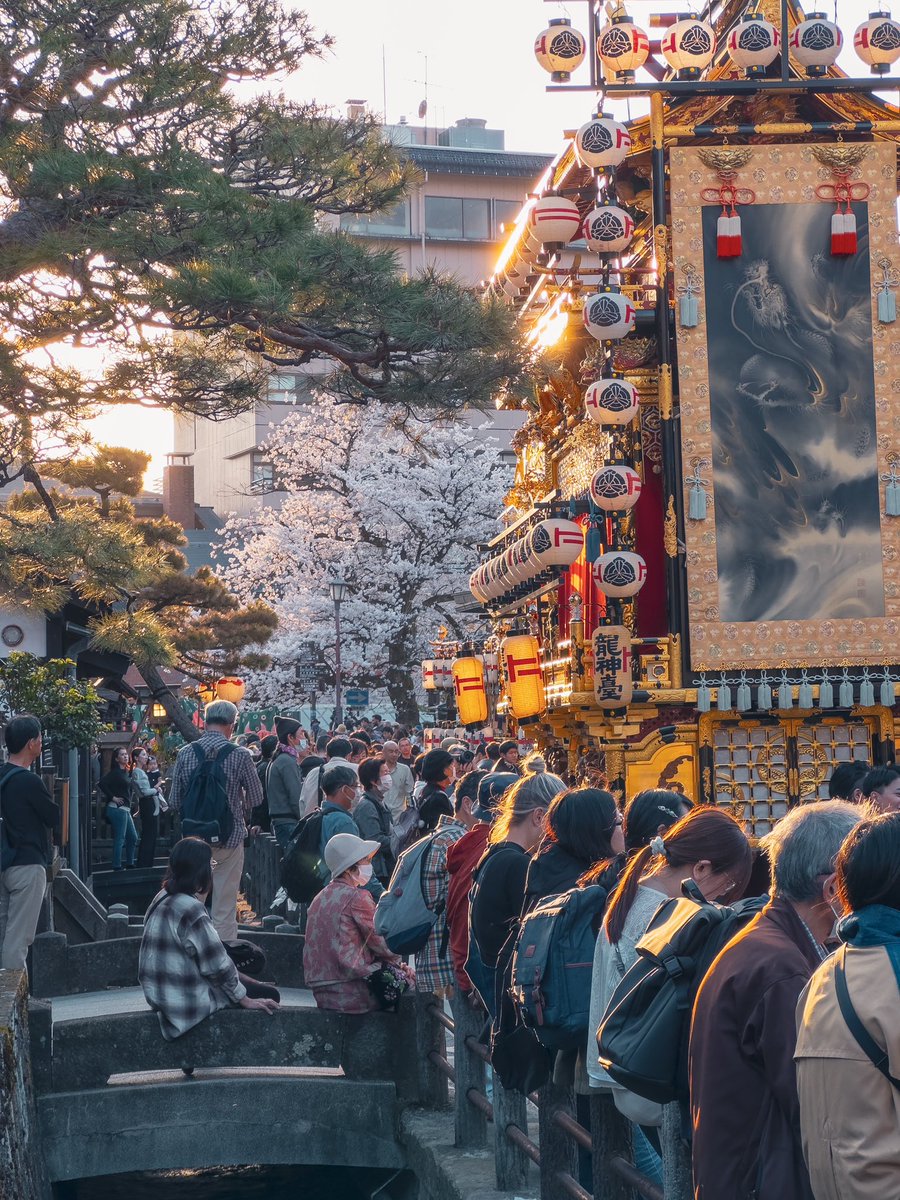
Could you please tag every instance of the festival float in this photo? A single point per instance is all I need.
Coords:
(696, 584)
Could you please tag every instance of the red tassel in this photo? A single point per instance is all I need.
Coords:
(728, 236)
(837, 233)
(849, 232)
(736, 243)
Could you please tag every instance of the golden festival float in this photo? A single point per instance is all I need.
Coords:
(697, 582)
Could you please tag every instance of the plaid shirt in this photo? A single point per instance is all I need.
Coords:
(434, 972)
(183, 967)
(241, 780)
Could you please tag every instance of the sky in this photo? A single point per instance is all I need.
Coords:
(477, 58)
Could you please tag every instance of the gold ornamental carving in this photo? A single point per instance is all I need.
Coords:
(840, 157)
(670, 530)
(725, 160)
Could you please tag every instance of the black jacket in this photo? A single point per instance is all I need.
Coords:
(375, 823)
(497, 899)
(116, 785)
(551, 872)
(29, 814)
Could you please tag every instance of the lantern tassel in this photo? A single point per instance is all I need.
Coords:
(887, 691)
(887, 307)
(849, 231)
(744, 699)
(805, 693)
(728, 235)
(845, 693)
(866, 691)
(826, 692)
(892, 500)
(723, 697)
(689, 311)
(837, 233)
(785, 694)
(704, 695)
(764, 693)
(697, 504)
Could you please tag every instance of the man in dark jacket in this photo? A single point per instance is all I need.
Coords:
(29, 815)
(744, 1106)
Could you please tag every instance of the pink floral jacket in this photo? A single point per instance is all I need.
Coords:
(342, 948)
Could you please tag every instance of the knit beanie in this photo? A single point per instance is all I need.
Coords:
(284, 727)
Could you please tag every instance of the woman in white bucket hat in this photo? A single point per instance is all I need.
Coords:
(342, 948)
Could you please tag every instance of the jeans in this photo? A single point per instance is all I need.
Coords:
(124, 834)
(283, 828)
(149, 831)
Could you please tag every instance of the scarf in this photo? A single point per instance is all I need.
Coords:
(291, 750)
(874, 925)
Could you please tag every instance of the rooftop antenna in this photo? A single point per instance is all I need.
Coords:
(423, 106)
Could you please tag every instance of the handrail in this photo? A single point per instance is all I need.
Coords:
(607, 1140)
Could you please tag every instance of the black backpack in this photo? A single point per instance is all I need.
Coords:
(302, 867)
(205, 811)
(644, 1033)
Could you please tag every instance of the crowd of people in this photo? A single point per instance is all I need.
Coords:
(791, 1058)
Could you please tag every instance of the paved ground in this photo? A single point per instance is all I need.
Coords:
(121, 1000)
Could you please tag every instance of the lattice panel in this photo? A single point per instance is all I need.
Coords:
(819, 750)
(751, 774)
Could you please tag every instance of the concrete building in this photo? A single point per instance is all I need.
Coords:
(454, 220)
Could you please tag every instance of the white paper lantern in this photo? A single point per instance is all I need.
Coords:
(816, 42)
(620, 573)
(616, 488)
(612, 401)
(476, 585)
(555, 219)
(753, 45)
(608, 229)
(519, 557)
(877, 42)
(555, 543)
(491, 667)
(430, 675)
(602, 142)
(688, 46)
(622, 48)
(608, 315)
(560, 49)
(444, 672)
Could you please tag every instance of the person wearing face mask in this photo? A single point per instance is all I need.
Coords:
(372, 815)
(283, 781)
(744, 1104)
(342, 949)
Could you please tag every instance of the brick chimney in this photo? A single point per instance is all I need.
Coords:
(178, 490)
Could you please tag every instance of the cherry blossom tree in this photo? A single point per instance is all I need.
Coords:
(398, 511)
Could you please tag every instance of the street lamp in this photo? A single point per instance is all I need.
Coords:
(339, 590)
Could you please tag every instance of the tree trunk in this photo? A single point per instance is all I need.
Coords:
(402, 693)
(164, 695)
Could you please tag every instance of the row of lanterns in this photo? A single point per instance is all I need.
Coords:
(471, 676)
(548, 546)
(690, 44)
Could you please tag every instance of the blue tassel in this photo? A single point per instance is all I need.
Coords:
(804, 693)
(892, 500)
(704, 696)
(764, 693)
(887, 693)
(866, 691)
(689, 311)
(697, 504)
(887, 308)
(785, 693)
(723, 698)
(845, 693)
(744, 699)
(826, 692)
(592, 543)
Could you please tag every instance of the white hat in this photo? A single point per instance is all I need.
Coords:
(346, 850)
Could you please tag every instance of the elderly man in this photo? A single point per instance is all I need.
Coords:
(402, 783)
(744, 1105)
(244, 791)
(339, 752)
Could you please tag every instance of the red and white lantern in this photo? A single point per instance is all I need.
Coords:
(555, 219)
(622, 48)
(608, 229)
(602, 142)
(616, 488)
(877, 42)
(560, 49)
(430, 675)
(688, 46)
(608, 316)
(753, 45)
(815, 44)
(620, 573)
(611, 401)
(555, 543)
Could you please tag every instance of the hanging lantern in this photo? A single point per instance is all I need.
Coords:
(620, 573)
(429, 675)
(230, 689)
(555, 219)
(622, 48)
(470, 689)
(753, 45)
(611, 401)
(616, 488)
(444, 667)
(560, 49)
(491, 668)
(520, 655)
(816, 42)
(602, 142)
(877, 42)
(608, 229)
(689, 46)
(613, 683)
(608, 315)
(555, 543)
(475, 586)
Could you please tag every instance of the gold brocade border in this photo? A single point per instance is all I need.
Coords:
(783, 175)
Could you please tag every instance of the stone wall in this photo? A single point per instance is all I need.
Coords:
(21, 1161)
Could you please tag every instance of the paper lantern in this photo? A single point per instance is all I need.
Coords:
(689, 46)
(616, 488)
(430, 675)
(602, 142)
(622, 48)
(491, 668)
(608, 315)
(470, 690)
(476, 585)
(877, 42)
(816, 42)
(555, 543)
(521, 658)
(560, 49)
(611, 401)
(230, 689)
(555, 219)
(753, 45)
(607, 229)
(520, 567)
(620, 573)
(444, 672)
(613, 683)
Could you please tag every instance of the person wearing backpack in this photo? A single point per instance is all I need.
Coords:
(744, 1104)
(338, 753)
(28, 815)
(214, 789)
(848, 1045)
(283, 780)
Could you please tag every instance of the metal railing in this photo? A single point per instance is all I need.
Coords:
(608, 1140)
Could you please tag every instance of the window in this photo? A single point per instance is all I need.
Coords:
(505, 213)
(262, 474)
(454, 218)
(392, 222)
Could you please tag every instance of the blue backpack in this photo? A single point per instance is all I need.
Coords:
(205, 811)
(403, 916)
(553, 964)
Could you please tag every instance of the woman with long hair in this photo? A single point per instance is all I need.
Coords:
(582, 833)
(115, 786)
(148, 806)
(650, 813)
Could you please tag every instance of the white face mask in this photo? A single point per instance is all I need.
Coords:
(385, 783)
(303, 745)
(365, 872)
